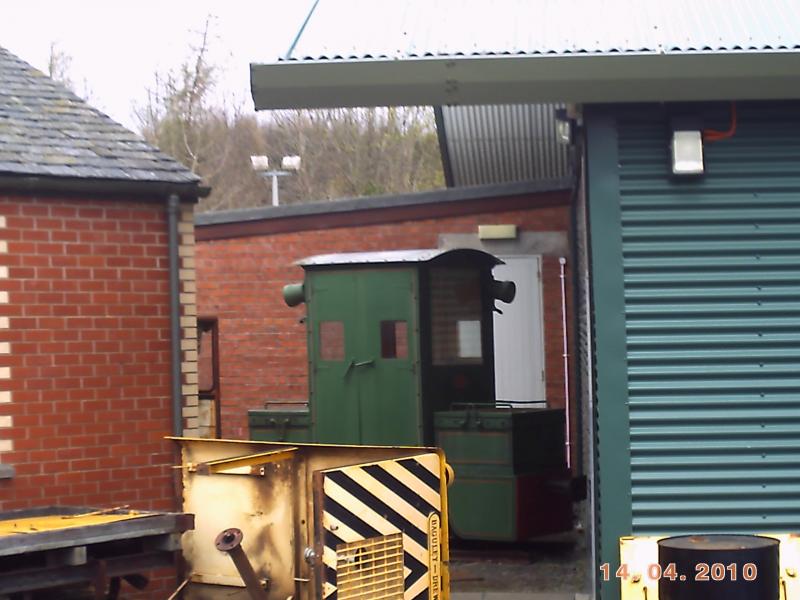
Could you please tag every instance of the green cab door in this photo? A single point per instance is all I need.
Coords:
(332, 341)
(364, 375)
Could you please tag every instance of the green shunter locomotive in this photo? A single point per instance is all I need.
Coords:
(401, 353)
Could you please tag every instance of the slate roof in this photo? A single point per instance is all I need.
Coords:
(47, 131)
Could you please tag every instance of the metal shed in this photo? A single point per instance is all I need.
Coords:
(688, 285)
(696, 313)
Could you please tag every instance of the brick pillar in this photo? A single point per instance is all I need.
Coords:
(188, 300)
(6, 421)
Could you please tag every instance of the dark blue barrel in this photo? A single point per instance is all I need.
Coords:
(711, 567)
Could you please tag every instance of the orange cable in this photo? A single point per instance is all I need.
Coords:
(714, 135)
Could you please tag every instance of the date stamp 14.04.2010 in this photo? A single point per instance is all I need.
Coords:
(702, 572)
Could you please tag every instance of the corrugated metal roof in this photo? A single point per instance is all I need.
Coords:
(505, 143)
(364, 29)
(433, 52)
(390, 256)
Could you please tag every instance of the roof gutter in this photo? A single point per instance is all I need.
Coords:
(188, 191)
(444, 149)
(413, 199)
(577, 78)
(173, 216)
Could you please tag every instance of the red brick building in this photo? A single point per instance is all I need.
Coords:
(97, 342)
(244, 258)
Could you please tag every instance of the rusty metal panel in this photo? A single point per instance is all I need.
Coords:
(263, 511)
(278, 506)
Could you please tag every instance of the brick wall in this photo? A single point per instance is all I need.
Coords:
(85, 342)
(194, 424)
(263, 344)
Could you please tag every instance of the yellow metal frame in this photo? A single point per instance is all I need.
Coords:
(445, 538)
(275, 501)
(638, 553)
(241, 464)
(17, 526)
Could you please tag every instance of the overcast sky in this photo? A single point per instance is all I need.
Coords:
(117, 47)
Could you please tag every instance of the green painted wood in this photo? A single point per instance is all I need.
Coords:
(484, 508)
(508, 440)
(485, 448)
(360, 396)
(266, 425)
(611, 393)
(389, 389)
(334, 400)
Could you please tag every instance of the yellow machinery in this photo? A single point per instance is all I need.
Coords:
(52, 548)
(303, 521)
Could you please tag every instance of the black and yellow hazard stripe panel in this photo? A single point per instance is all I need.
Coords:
(381, 528)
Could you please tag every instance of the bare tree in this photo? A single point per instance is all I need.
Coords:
(357, 152)
(59, 68)
(177, 115)
(59, 64)
(345, 152)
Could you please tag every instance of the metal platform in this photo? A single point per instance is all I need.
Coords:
(57, 546)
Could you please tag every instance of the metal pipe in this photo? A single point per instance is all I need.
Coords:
(275, 200)
(173, 210)
(562, 262)
(591, 467)
(230, 541)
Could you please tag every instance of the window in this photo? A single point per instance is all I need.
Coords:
(331, 340)
(208, 377)
(456, 316)
(469, 339)
(207, 364)
(394, 339)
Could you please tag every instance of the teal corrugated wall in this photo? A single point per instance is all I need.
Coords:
(711, 278)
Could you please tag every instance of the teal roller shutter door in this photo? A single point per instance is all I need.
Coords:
(712, 317)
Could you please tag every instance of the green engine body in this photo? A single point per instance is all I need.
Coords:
(401, 352)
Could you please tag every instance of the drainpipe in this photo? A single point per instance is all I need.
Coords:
(173, 211)
(568, 434)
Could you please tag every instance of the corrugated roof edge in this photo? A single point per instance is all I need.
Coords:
(416, 255)
(645, 50)
(378, 202)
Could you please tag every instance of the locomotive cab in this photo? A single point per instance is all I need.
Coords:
(401, 352)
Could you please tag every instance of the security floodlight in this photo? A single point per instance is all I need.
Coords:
(686, 145)
(291, 163)
(260, 162)
(687, 153)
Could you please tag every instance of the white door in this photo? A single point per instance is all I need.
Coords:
(518, 334)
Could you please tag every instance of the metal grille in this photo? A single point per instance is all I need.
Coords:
(371, 569)
(712, 305)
